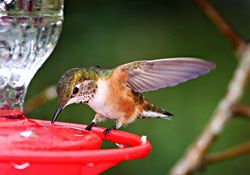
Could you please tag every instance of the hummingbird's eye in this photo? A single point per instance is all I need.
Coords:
(75, 90)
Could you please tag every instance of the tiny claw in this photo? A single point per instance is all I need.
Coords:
(90, 125)
(106, 131)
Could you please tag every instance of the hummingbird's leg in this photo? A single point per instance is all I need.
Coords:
(98, 118)
(90, 125)
(118, 124)
(106, 131)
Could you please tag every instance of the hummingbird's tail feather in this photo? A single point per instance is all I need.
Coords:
(151, 111)
(153, 114)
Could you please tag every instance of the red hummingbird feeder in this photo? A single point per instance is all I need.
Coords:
(36, 147)
(30, 32)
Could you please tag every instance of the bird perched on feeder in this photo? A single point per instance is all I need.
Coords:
(116, 93)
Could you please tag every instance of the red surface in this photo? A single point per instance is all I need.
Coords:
(37, 147)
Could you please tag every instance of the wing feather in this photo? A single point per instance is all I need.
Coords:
(149, 75)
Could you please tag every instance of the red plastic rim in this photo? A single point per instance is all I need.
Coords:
(137, 147)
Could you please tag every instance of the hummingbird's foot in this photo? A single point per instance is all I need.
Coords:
(90, 125)
(108, 130)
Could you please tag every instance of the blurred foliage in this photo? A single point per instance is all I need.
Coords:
(110, 33)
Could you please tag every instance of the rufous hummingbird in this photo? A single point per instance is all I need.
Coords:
(116, 93)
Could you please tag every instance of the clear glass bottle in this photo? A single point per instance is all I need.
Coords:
(29, 31)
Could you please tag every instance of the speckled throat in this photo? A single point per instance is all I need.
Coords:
(87, 90)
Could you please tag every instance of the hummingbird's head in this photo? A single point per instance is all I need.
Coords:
(75, 86)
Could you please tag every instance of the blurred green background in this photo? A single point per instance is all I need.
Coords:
(110, 33)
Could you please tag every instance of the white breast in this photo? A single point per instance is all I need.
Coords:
(98, 102)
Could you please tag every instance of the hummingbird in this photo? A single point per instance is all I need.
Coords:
(117, 93)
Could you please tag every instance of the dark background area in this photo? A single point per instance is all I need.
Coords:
(110, 33)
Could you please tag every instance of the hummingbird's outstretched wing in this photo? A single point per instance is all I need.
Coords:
(149, 75)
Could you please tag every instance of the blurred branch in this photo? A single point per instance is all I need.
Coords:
(242, 111)
(194, 156)
(222, 26)
(43, 97)
(227, 154)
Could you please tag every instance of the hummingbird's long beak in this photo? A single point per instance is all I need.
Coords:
(59, 109)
